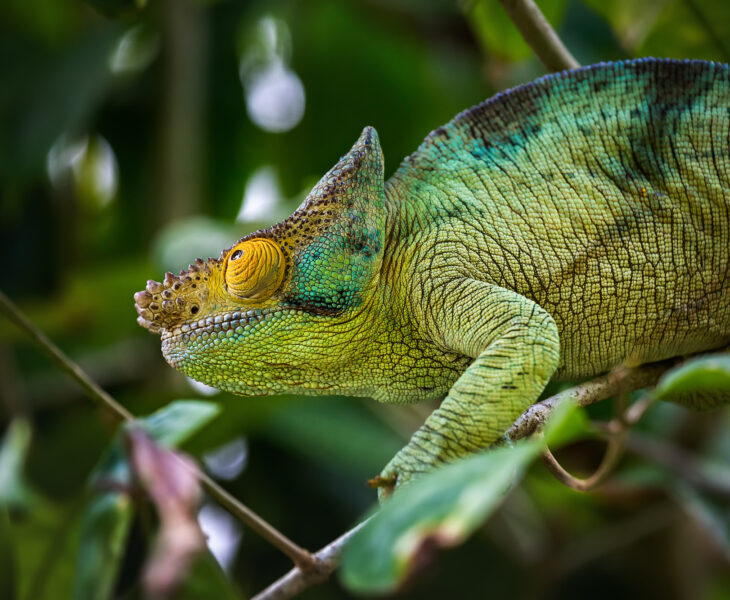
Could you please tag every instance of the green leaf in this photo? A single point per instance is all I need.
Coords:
(439, 510)
(703, 374)
(104, 532)
(14, 491)
(179, 420)
(109, 513)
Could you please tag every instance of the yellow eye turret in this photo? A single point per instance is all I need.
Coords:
(254, 269)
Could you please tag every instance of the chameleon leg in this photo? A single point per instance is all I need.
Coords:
(515, 345)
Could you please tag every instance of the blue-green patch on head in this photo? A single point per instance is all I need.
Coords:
(336, 236)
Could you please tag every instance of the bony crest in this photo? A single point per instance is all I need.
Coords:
(254, 269)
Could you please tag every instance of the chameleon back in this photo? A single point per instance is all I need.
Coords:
(602, 194)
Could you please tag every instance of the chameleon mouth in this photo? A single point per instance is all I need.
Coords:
(210, 330)
(202, 341)
(225, 325)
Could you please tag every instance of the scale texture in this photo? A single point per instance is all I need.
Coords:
(557, 230)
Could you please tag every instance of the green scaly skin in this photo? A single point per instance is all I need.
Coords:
(557, 230)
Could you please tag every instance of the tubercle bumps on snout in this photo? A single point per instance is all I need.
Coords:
(177, 299)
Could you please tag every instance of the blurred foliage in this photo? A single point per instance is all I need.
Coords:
(136, 136)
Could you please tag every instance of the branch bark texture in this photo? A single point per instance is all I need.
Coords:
(606, 386)
(297, 580)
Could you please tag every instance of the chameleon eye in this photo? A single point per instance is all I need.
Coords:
(254, 269)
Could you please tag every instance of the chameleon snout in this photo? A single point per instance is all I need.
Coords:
(176, 300)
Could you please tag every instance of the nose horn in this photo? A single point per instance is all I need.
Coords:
(175, 300)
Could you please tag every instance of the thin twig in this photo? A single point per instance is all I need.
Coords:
(616, 431)
(296, 580)
(539, 34)
(613, 453)
(301, 557)
(13, 313)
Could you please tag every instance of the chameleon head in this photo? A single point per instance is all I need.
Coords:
(252, 270)
(285, 308)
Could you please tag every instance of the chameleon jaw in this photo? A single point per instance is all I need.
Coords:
(219, 326)
(214, 348)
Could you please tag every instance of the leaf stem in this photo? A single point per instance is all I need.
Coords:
(301, 557)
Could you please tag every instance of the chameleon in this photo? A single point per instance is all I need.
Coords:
(553, 232)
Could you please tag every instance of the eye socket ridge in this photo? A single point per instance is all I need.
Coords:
(254, 269)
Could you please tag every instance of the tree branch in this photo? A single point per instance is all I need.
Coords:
(297, 580)
(620, 381)
(539, 34)
(314, 569)
(623, 380)
(301, 557)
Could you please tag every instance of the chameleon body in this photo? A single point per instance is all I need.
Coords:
(557, 230)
